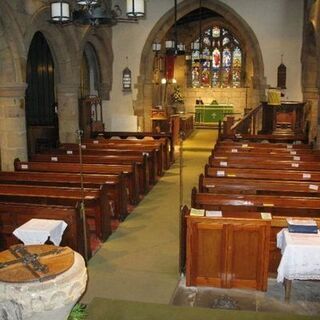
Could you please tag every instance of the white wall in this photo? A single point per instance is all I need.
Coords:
(276, 23)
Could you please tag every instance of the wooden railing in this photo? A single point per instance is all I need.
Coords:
(249, 124)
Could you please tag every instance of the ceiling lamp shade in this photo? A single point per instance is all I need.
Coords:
(60, 12)
(94, 12)
(170, 45)
(181, 48)
(87, 2)
(156, 47)
(195, 45)
(135, 8)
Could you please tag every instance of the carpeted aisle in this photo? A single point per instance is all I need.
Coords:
(135, 273)
(139, 262)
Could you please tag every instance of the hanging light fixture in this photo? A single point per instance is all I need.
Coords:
(135, 8)
(60, 12)
(172, 46)
(156, 47)
(197, 44)
(91, 12)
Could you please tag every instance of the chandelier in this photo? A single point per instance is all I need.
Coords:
(92, 12)
(172, 46)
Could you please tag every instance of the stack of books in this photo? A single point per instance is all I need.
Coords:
(302, 226)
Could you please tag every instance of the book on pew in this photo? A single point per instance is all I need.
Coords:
(197, 212)
(302, 226)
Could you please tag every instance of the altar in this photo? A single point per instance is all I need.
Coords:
(211, 113)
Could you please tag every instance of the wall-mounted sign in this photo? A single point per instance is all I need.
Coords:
(126, 80)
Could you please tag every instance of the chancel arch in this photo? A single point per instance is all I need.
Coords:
(253, 81)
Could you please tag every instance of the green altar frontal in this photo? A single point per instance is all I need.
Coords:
(212, 113)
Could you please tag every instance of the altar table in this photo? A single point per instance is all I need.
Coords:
(212, 113)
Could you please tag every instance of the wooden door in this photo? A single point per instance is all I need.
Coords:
(206, 254)
(41, 109)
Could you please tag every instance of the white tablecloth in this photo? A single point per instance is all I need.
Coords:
(37, 231)
(300, 256)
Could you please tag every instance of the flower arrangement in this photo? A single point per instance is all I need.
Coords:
(177, 96)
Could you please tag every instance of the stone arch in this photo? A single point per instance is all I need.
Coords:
(62, 42)
(100, 40)
(14, 57)
(237, 24)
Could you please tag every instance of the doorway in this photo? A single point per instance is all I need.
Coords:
(41, 107)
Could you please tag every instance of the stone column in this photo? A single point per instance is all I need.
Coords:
(13, 137)
(68, 112)
(311, 97)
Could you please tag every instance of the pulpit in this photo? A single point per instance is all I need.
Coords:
(286, 118)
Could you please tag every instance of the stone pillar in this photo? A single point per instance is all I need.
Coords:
(68, 112)
(311, 96)
(13, 137)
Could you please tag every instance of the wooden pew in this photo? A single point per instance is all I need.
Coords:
(140, 161)
(140, 136)
(221, 154)
(248, 163)
(231, 251)
(74, 150)
(263, 137)
(289, 146)
(258, 186)
(115, 185)
(262, 151)
(138, 148)
(161, 146)
(96, 202)
(129, 172)
(269, 174)
(277, 205)
(13, 215)
(277, 223)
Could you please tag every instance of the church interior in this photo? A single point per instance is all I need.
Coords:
(159, 159)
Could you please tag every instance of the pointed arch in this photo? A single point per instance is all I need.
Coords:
(236, 24)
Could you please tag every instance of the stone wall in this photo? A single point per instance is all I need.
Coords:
(19, 21)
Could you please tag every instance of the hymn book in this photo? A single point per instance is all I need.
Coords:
(302, 226)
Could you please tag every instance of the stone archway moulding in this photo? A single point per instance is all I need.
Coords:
(101, 42)
(160, 29)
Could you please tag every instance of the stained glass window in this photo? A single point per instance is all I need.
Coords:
(219, 62)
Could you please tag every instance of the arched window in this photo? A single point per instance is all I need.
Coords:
(216, 59)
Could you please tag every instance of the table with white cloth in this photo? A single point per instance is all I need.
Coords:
(38, 231)
(300, 257)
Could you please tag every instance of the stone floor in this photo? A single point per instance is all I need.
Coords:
(305, 298)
